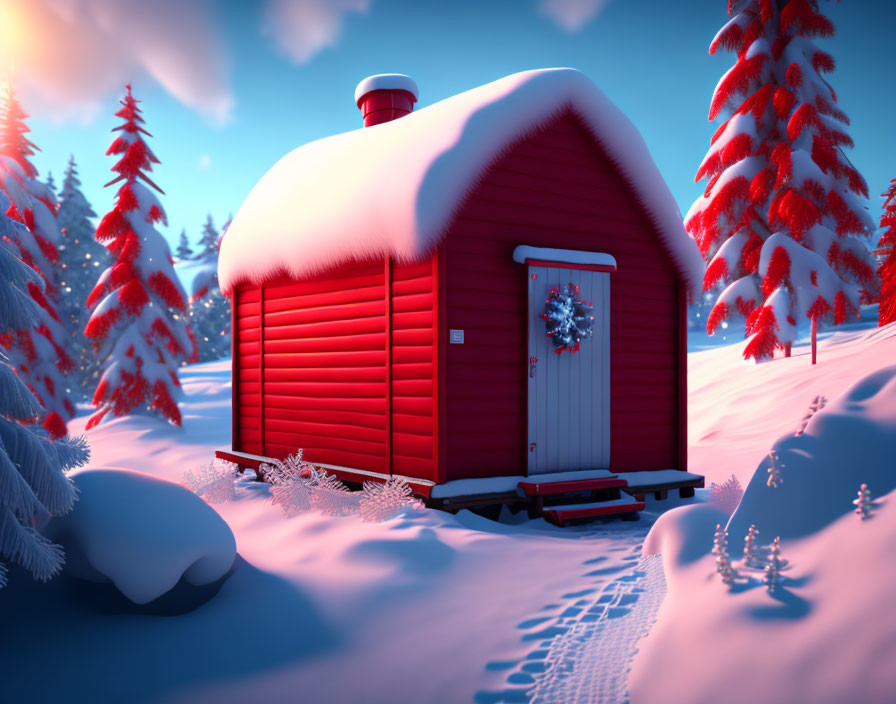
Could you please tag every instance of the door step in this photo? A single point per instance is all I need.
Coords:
(542, 488)
(578, 495)
(624, 507)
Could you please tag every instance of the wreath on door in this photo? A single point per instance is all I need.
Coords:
(568, 318)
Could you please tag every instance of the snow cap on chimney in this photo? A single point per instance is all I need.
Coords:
(385, 97)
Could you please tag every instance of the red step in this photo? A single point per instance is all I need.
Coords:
(560, 514)
(572, 485)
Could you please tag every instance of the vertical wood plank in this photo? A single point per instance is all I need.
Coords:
(261, 368)
(544, 370)
(607, 378)
(440, 361)
(235, 406)
(387, 300)
(586, 433)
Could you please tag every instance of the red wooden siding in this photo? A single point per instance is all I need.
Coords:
(557, 189)
(413, 389)
(333, 347)
(247, 379)
(325, 368)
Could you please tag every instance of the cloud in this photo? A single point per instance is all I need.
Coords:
(69, 55)
(302, 28)
(204, 161)
(571, 15)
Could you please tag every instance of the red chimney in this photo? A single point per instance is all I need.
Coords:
(385, 97)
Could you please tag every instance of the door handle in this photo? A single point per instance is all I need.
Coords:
(533, 361)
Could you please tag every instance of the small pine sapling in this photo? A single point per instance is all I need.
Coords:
(382, 501)
(753, 558)
(727, 495)
(774, 470)
(723, 560)
(773, 566)
(863, 503)
(214, 481)
(183, 250)
(817, 404)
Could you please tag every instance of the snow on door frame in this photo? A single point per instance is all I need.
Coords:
(568, 394)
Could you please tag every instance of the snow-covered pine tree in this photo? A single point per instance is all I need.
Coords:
(782, 222)
(773, 566)
(208, 240)
(752, 555)
(886, 249)
(140, 341)
(40, 354)
(183, 246)
(82, 259)
(33, 485)
(723, 560)
(209, 308)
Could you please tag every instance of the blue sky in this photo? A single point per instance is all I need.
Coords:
(243, 87)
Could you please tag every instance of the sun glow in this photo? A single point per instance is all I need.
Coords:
(18, 36)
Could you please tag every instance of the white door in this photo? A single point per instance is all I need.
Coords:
(569, 393)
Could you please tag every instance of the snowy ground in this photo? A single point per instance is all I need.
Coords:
(737, 409)
(826, 634)
(428, 607)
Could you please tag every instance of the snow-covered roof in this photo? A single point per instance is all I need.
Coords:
(393, 189)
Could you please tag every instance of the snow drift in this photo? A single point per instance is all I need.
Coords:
(824, 635)
(850, 442)
(143, 534)
(393, 189)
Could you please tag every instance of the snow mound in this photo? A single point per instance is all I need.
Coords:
(683, 535)
(849, 442)
(822, 637)
(328, 202)
(819, 637)
(143, 534)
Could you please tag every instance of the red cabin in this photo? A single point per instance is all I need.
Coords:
(388, 286)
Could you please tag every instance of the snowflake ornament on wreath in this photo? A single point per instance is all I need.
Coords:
(568, 318)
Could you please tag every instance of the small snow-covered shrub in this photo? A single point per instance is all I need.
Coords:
(382, 501)
(297, 486)
(214, 481)
(288, 470)
(332, 498)
(863, 503)
(773, 568)
(292, 481)
(774, 470)
(726, 495)
(753, 557)
(723, 561)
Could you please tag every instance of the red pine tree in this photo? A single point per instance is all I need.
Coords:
(39, 354)
(886, 248)
(136, 326)
(781, 222)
